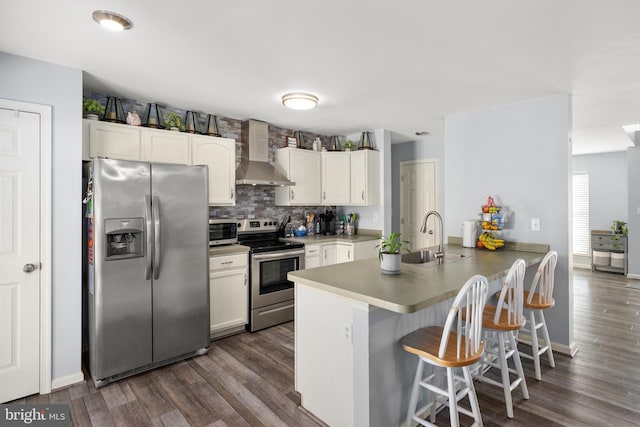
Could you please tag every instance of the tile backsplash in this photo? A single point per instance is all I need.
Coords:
(251, 202)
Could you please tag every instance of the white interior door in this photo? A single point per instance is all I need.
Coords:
(19, 254)
(417, 197)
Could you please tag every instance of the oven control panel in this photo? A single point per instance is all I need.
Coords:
(257, 224)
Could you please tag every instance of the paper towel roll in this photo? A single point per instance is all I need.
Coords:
(469, 234)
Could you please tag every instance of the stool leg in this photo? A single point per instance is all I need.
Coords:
(504, 369)
(473, 399)
(415, 392)
(453, 403)
(432, 397)
(534, 344)
(547, 341)
(518, 363)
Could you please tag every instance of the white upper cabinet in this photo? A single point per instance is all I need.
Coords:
(114, 141)
(336, 178)
(365, 178)
(220, 155)
(302, 167)
(124, 142)
(165, 147)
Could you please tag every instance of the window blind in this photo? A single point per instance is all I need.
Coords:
(581, 233)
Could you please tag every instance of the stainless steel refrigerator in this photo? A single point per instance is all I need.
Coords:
(148, 265)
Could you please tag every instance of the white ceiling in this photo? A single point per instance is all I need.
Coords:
(399, 65)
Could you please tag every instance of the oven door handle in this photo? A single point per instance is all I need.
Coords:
(278, 254)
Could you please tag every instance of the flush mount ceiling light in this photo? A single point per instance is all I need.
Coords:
(111, 20)
(299, 101)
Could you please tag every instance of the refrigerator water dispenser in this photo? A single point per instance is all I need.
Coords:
(124, 238)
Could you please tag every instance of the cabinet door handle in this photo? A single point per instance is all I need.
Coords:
(232, 193)
(349, 254)
(292, 195)
(245, 279)
(362, 194)
(324, 195)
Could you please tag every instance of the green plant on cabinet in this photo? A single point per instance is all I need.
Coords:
(91, 106)
(173, 121)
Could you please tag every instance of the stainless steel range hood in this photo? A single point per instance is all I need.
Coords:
(258, 171)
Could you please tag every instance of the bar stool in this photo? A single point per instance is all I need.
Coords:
(500, 322)
(442, 347)
(537, 299)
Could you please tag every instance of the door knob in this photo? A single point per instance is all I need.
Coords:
(28, 268)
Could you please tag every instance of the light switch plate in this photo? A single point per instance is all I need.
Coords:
(347, 332)
(535, 224)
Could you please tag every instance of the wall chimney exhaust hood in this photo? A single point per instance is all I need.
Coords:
(257, 170)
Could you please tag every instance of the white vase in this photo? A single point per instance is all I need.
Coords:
(390, 263)
(91, 116)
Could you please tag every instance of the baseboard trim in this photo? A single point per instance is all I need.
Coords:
(633, 276)
(78, 377)
(569, 350)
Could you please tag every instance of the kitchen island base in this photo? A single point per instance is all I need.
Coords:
(351, 369)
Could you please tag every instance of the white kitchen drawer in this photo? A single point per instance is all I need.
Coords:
(228, 261)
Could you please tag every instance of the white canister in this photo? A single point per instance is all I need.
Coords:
(469, 229)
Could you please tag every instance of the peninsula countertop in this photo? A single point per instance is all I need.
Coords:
(418, 285)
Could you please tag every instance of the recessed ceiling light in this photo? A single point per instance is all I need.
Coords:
(111, 20)
(299, 101)
(422, 133)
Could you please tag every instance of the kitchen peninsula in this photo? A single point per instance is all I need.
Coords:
(350, 368)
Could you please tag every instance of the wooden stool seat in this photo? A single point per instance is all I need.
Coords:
(538, 302)
(425, 342)
(504, 323)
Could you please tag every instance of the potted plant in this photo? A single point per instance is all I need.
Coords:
(173, 122)
(92, 109)
(389, 253)
(348, 145)
(619, 227)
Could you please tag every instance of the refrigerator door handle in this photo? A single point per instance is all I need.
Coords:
(149, 232)
(156, 237)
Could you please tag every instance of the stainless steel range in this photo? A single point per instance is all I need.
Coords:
(271, 294)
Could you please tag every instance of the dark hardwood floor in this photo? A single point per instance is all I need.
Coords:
(247, 379)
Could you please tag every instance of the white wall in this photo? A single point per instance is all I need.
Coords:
(607, 187)
(520, 154)
(633, 176)
(28, 80)
(427, 149)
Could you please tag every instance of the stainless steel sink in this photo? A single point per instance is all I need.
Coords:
(429, 256)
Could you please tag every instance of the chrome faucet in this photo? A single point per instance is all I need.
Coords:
(423, 229)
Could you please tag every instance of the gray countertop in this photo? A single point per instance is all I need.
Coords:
(418, 285)
(228, 250)
(317, 238)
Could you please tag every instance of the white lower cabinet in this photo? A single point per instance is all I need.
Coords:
(312, 257)
(229, 294)
(344, 252)
(329, 254)
(321, 254)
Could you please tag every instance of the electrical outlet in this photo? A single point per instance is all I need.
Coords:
(535, 224)
(347, 330)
